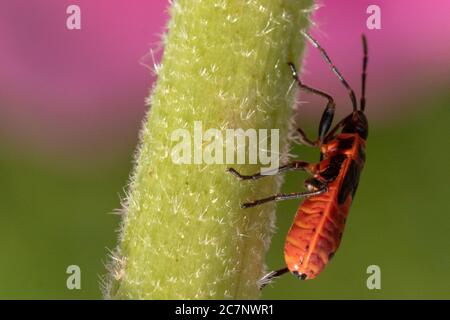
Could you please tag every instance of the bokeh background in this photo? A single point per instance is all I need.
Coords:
(72, 102)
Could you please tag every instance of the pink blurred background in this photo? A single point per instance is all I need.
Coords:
(82, 92)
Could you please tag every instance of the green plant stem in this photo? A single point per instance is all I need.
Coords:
(183, 233)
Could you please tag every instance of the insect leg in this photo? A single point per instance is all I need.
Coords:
(284, 196)
(336, 128)
(327, 115)
(295, 165)
(268, 278)
(305, 140)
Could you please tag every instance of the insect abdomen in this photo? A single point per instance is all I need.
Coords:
(315, 234)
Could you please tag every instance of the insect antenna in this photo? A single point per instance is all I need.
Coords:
(364, 74)
(333, 67)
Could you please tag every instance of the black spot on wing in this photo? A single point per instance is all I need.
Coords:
(355, 187)
(361, 153)
(334, 167)
(345, 144)
(350, 183)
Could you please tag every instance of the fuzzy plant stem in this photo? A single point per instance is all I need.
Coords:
(183, 233)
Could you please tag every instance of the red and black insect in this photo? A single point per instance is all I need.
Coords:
(319, 223)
